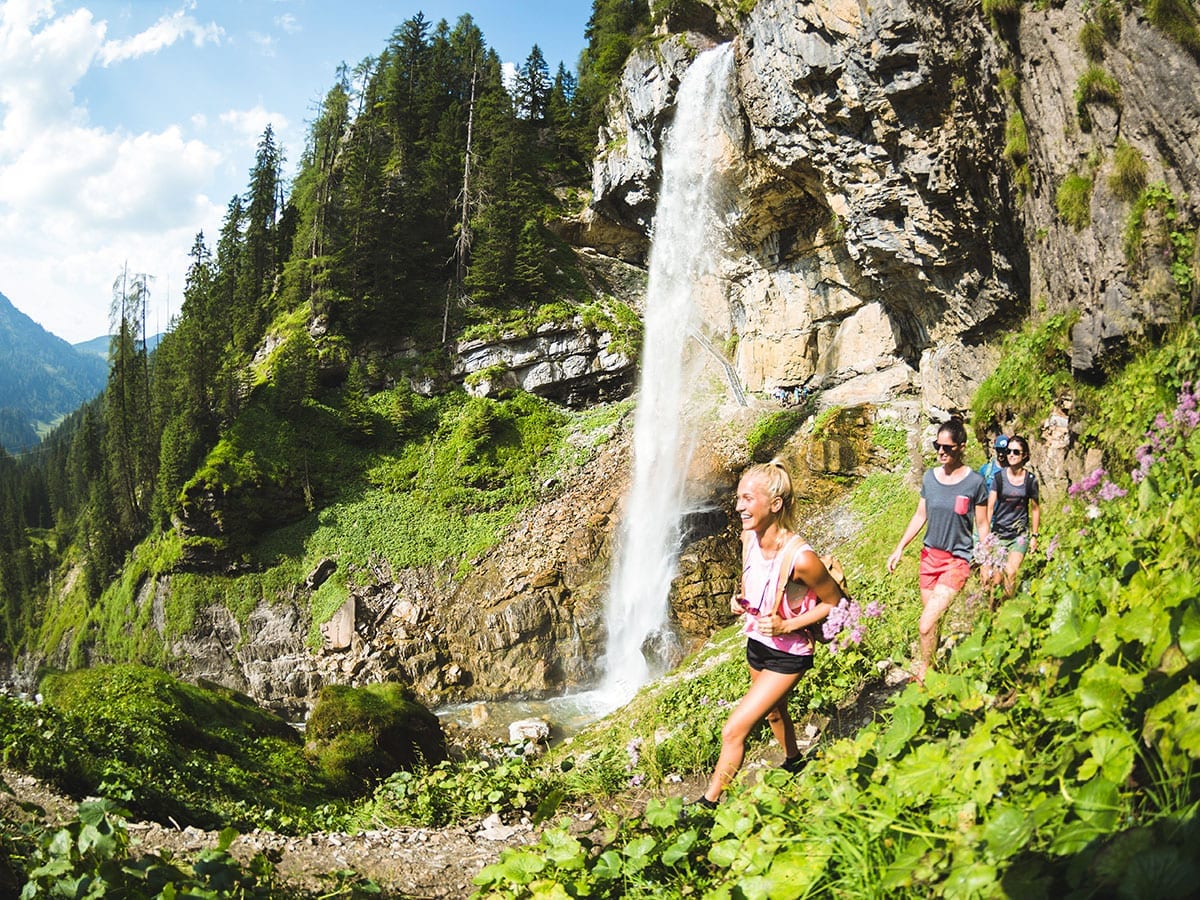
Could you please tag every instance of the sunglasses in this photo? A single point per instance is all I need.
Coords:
(1017, 451)
(944, 448)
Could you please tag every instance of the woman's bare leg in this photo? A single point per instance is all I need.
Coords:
(1010, 572)
(934, 602)
(767, 691)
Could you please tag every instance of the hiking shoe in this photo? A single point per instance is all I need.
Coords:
(794, 764)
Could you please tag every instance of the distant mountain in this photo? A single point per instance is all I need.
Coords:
(42, 378)
(99, 345)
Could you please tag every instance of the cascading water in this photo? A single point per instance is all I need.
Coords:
(683, 253)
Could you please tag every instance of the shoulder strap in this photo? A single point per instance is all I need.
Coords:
(784, 575)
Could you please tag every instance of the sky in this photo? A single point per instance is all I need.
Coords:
(127, 127)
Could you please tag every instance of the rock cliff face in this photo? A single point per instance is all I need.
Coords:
(883, 238)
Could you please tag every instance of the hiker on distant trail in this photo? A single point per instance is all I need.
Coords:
(997, 444)
(953, 497)
(1014, 511)
(785, 591)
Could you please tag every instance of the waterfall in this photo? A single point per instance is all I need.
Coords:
(683, 254)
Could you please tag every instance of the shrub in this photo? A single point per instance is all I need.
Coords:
(1034, 370)
(1091, 41)
(1178, 19)
(1016, 140)
(1129, 172)
(1095, 86)
(201, 754)
(1074, 201)
(994, 9)
(770, 433)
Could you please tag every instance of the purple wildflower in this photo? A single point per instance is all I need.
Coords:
(1052, 547)
(845, 626)
(1111, 491)
(632, 750)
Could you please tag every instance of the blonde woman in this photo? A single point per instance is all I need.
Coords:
(785, 591)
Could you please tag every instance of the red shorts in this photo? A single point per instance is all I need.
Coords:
(943, 567)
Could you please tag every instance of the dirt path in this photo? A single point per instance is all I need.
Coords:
(404, 862)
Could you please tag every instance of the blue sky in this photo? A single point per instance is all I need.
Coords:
(126, 127)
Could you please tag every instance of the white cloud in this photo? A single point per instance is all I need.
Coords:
(163, 33)
(78, 201)
(288, 23)
(248, 125)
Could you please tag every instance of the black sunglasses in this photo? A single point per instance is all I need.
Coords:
(1016, 450)
(944, 448)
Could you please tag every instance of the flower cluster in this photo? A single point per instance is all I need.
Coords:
(633, 750)
(845, 626)
(1097, 488)
(1165, 434)
(991, 552)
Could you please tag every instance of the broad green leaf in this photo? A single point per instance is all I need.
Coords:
(1069, 635)
(1175, 722)
(1106, 688)
(608, 865)
(906, 722)
(797, 869)
(680, 849)
(923, 773)
(563, 849)
(899, 872)
(1098, 803)
(522, 866)
(548, 890)
(723, 853)
(1141, 623)
(1073, 837)
(639, 848)
(1188, 629)
(1114, 752)
(1007, 831)
(226, 838)
(754, 887)
(663, 814)
(972, 880)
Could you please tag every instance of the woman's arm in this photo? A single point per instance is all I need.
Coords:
(1035, 519)
(915, 524)
(808, 569)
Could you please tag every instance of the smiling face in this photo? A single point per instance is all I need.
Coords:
(755, 505)
(949, 453)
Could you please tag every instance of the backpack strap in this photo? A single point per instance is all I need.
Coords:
(784, 574)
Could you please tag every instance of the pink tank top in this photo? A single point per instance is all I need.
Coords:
(760, 585)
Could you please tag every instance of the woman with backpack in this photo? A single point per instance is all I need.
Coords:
(953, 498)
(785, 591)
(1014, 511)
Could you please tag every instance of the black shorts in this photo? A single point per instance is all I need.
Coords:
(763, 658)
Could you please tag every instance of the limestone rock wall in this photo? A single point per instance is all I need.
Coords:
(878, 221)
(1157, 115)
(871, 219)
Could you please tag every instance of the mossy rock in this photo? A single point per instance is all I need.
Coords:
(360, 735)
(200, 754)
